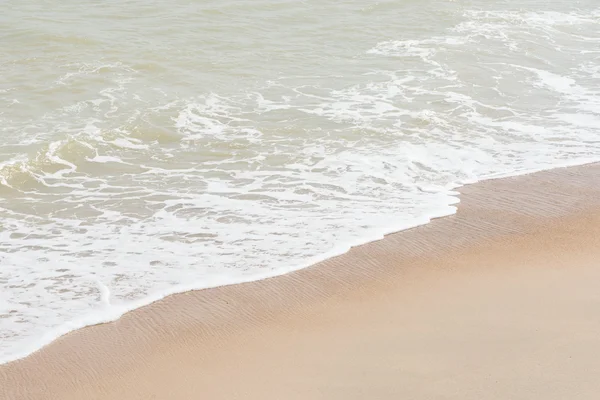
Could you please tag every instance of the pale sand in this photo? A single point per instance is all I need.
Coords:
(501, 301)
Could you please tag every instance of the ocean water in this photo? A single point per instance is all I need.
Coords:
(152, 147)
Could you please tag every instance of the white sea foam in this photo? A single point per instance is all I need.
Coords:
(133, 186)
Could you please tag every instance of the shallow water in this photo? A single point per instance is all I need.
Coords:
(152, 147)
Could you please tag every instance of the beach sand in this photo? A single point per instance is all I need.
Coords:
(500, 301)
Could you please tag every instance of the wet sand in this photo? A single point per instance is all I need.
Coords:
(500, 301)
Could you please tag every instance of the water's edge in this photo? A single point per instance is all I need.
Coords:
(108, 315)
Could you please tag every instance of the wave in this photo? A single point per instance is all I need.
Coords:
(130, 193)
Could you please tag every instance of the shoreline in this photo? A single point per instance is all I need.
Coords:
(494, 212)
(117, 312)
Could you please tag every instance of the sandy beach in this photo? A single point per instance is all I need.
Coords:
(500, 301)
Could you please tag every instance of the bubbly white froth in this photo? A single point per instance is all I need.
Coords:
(151, 149)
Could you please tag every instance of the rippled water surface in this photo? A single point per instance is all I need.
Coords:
(149, 147)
